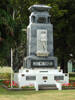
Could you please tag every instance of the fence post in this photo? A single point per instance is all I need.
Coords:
(11, 67)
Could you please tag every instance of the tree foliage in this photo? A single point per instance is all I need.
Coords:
(62, 18)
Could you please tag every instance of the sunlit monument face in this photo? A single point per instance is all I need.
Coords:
(42, 43)
(40, 39)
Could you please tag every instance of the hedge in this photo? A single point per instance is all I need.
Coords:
(5, 76)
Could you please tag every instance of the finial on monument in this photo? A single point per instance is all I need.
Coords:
(39, 8)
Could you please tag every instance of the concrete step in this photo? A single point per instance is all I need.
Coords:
(48, 87)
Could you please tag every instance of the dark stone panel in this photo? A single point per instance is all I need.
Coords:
(29, 78)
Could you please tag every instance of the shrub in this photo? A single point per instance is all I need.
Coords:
(5, 76)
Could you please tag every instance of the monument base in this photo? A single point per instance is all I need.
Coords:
(40, 62)
(37, 77)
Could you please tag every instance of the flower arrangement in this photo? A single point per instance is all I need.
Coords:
(69, 84)
(8, 84)
(28, 86)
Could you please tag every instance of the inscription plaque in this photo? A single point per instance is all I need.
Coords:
(58, 77)
(42, 63)
(30, 77)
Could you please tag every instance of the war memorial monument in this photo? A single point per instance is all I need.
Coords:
(40, 65)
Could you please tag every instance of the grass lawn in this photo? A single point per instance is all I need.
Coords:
(40, 95)
(5, 69)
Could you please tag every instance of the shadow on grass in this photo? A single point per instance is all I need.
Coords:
(4, 91)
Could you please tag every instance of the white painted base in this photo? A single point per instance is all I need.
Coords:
(43, 77)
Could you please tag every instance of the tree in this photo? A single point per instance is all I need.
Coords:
(63, 20)
(6, 30)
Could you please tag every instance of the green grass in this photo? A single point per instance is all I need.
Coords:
(40, 95)
(72, 78)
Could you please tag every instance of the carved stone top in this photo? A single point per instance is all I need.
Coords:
(39, 8)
